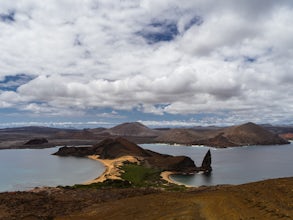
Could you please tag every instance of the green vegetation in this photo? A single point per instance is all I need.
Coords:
(134, 175)
(103, 185)
(141, 176)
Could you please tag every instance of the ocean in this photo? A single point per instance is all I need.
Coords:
(24, 169)
(234, 165)
(29, 168)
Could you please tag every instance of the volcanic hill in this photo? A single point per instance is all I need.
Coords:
(252, 134)
(132, 129)
(242, 135)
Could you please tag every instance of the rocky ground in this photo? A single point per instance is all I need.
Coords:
(270, 199)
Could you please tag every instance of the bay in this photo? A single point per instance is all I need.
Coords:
(23, 169)
(234, 165)
(29, 168)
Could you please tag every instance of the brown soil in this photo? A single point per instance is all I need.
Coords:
(271, 199)
(287, 136)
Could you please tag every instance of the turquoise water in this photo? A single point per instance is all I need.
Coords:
(29, 168)
(234, 165)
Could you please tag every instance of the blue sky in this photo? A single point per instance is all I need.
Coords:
(164, 63)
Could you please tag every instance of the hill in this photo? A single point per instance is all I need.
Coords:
(242, 135)
(179, 136)
(270, 199)
(252, 134)
(132, 129)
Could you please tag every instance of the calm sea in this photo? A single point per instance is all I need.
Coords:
(234, 165)
(28, 168)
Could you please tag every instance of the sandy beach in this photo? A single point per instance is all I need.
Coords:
(112, 167)
(166, 176)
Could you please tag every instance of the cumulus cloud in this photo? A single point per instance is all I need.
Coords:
(159, 57)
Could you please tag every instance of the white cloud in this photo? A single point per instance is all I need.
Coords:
(92, 54)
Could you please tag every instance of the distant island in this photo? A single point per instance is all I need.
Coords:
(219, 137)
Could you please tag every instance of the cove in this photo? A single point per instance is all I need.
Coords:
(24, 169)
(236, 165)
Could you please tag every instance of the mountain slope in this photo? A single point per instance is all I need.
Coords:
(252, 134)
(132, 129)
(179, 136)
(242, 135)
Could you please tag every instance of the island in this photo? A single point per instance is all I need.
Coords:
(113, 153)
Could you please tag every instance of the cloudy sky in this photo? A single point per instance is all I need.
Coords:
(90, 63)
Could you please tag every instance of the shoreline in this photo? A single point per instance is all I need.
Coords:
(166, 175)
(112, 167)
(112, 170)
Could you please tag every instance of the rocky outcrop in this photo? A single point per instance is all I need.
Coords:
(37, 141)
(115, 148)
(74, 151)
(206, 163)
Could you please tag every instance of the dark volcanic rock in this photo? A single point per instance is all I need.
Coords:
(206, 163)
(74, 151)
(37, 141)
(171, 163)
(114, 148)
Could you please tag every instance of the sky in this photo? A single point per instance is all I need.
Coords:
(92, 63)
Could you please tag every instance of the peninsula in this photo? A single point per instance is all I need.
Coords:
(113, 153)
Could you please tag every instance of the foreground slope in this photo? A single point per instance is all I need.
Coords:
(270, 199)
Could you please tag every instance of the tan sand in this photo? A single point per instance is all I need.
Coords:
(166, 176)
(112, 167)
